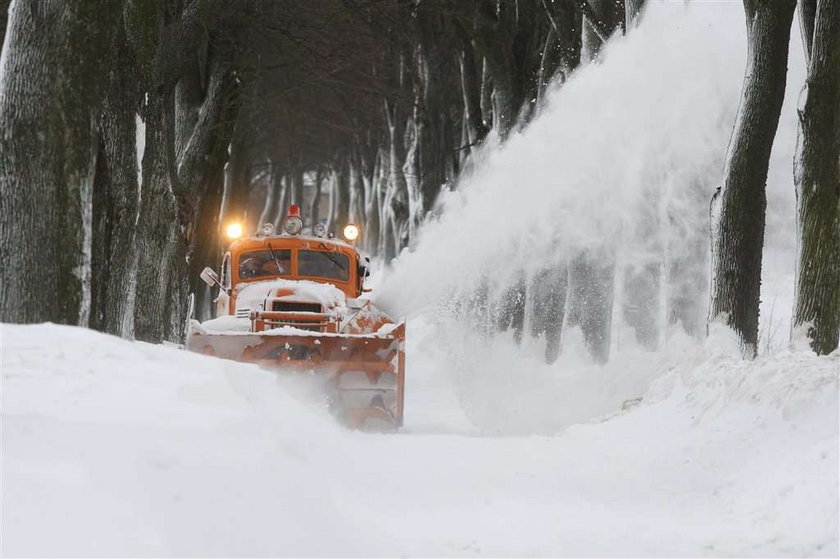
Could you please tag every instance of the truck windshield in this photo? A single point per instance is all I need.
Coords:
(321, 264)
(260, 264)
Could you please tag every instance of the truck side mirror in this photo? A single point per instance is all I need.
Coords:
(210, 277)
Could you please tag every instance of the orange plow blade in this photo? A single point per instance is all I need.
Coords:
(366, 372)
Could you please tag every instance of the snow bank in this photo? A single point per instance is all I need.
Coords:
(112, 448)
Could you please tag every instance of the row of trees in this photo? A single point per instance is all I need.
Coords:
(133, 129)
(739, 205)
(380, 101)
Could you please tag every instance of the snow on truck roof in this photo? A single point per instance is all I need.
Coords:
(292, 241)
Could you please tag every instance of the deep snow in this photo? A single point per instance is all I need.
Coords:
(114, 448)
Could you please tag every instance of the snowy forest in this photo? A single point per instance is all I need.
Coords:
(602, 234)
(365, 111)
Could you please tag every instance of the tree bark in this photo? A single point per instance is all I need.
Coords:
(116, 199)
(817, 179)
(52, 95)
(471, 93)
(161, 251)
(739, 205)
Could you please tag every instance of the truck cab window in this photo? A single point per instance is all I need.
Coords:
(322, 264)
(262, 264)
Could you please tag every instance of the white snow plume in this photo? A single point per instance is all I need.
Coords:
(634, 140)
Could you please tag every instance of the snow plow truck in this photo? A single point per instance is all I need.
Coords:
(295, 303)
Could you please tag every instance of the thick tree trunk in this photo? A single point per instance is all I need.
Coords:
(591, 287)
(817, 178)
(471, 94)
(116, 198)
(50, 101)
(160, 247)
(208, 251)
(739, 206)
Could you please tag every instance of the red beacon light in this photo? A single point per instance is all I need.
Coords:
(293, 224)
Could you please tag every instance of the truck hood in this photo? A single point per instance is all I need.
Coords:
(251, 295)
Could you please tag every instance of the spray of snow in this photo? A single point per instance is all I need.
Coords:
(638, 134)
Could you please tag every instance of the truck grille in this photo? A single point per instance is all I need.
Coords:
(288, 306)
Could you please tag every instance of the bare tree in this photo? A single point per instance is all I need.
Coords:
(738, 208)
(817, 178)
(51, 97)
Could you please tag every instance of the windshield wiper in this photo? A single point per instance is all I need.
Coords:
(274, 257)
(332, 258)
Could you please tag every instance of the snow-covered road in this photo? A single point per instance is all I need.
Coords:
(114, 448)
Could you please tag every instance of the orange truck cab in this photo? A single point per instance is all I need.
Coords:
(295, 302)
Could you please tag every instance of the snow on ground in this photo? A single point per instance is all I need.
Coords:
(113, 448)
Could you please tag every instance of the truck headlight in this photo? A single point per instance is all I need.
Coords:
(351, 231)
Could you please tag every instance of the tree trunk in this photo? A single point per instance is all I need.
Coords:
(238, 184)
(316, 198)
(632, 10)
(471, 95)
(281, 186)
(396, 197)
(739, 205)
(600, 20)
(370, 182)
(160, 248)
(340, 197)
(641, 302)
(208, 249)
(687, 264)
(116, 198)
(512, 308)
(50, 101)
(356, 192)
(271, 193)
(817, 178)
(591, 287)
(548, 307)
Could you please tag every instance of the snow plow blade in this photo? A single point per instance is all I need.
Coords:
(365, 372)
